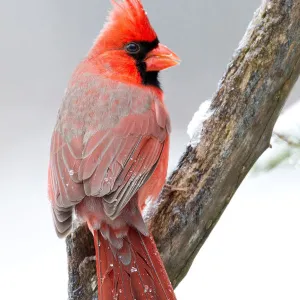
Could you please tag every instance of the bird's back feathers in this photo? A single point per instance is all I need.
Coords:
(106, 143)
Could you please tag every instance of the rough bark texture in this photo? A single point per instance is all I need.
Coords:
(245, 107)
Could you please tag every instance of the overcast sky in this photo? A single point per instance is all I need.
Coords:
(41, 43)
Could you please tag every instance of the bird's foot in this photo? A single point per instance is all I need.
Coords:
(85, 262)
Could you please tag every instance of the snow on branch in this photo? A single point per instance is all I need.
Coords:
(196, 125)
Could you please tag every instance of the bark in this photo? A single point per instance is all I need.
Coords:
(245, 108)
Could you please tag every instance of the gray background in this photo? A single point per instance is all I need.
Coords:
(41, 43)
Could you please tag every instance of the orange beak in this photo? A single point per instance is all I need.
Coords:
(161, 58)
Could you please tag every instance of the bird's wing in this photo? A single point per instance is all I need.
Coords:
(106, 143)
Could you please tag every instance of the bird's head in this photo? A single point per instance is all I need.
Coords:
(128, 48)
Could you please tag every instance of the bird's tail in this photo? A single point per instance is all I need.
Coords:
(134, 272)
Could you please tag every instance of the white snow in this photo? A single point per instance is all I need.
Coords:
(194, 129)
(149, 208)
(266, 5)
(248, 32)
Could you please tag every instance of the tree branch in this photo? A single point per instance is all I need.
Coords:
(288, 140)
(245, 108)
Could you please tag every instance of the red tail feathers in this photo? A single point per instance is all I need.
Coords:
(139, 276)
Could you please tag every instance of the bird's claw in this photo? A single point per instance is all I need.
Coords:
(85, 262)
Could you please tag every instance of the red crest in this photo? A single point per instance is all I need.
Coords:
(127, 22)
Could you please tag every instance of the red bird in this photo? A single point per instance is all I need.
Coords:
(109, 153)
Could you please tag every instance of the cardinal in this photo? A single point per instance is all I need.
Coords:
(109, 153)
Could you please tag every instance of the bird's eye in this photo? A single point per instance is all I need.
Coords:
(132, 48)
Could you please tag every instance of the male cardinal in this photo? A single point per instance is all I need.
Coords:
(109, 153)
